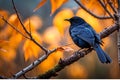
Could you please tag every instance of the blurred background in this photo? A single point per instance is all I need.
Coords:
(49, 29)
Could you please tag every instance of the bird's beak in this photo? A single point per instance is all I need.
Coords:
(66, 19)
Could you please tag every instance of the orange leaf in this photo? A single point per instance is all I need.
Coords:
(80, 71)
(33, 23)
(31, 50)
(3, 50)
(59, 21)
(60, 49)
(55, 4)
(50, 38)
(39, 5)
(67, 49)
(3, 44)
(5, 14)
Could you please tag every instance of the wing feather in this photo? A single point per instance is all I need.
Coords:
(86, 35)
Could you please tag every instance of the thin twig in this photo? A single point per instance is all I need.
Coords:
(33, 65)
(30, 27)
(91, 13)
(31, 38)
(112, 7)
(102, 4)
(75, 56)
(19, 18)
(13, 27)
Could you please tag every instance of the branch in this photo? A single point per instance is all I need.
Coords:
(112, 7)
(118, 21)
(88, 11)
(1, 77)
(63, 63)
(13, 27)
(102, 4)
(19, 18)
(27, 32)
(33, 65)
(75, 56)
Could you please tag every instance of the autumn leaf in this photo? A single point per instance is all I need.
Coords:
(50, 35)
(7, 51)
(50, 62)
(40, 5)
(59, 20)
(3, 43)
(55, 4)
(30, 49)
(80, 71)
(5, 14)
(33, 23)
(65, 48)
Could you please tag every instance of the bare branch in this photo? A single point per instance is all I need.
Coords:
(112, 7)
(99, 17)
(19, 18)
(33, 65)
(31, 38)
(102, 4)
(30, 27)
(75, 56)
(118, 21)
(13, 27)
(63, 63)
(107, 31)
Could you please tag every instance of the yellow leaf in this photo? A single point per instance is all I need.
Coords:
(3, 44)
(59, 20)
(50, 62)
(7, 51)
(79, 71)
(50, 35)
(55, 4)
(90, 19)
(39, 5)
(3, 50)
(5, 14)
(33, 23)
(30, 49)
(16, 23)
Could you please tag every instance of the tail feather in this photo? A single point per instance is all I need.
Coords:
(109, 60)
(103, 57)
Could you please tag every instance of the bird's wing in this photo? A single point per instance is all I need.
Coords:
(97, 37)
(87, 35)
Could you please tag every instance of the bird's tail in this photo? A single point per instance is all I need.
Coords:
(103, 57)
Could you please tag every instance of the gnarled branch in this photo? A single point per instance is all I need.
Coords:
(76, 56)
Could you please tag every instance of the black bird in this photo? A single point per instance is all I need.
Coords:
(85, 36)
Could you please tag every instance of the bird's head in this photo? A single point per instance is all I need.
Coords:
(75, 20)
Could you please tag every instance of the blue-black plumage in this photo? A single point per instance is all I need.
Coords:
(85, 36)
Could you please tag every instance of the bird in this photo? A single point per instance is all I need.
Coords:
(84, 36)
